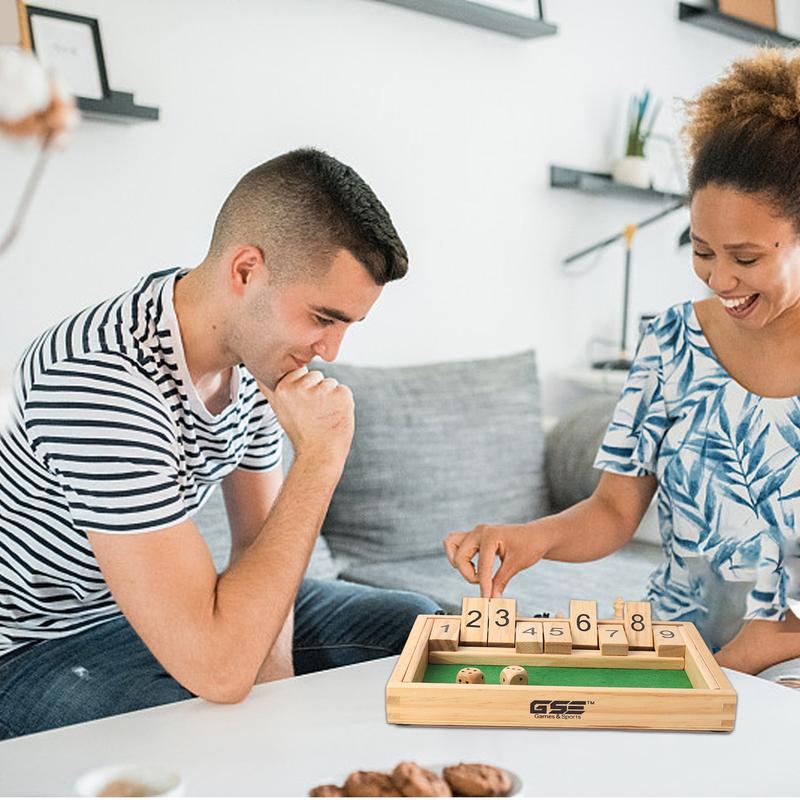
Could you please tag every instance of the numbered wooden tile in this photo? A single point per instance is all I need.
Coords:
(474, 620)
(668, 641)
(557, 636)
(639, 626)
(529, 637)
(612, 639)
(444, 634)
(502, 622)
(583, 623)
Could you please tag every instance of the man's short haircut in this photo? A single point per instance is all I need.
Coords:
(301, 208)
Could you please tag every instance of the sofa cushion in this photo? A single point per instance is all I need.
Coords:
(546, 587)
(437, 448)
(570, 450)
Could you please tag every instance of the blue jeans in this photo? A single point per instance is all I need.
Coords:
(109, 670)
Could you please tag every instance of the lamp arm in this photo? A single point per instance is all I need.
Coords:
(622, 234)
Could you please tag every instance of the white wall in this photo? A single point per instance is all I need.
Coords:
(453, 126)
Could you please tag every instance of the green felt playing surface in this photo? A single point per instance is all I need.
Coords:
(572, 676)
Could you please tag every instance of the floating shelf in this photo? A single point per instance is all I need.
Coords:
(494, 19)
(118, 107)
(601, 183)
(713, 20)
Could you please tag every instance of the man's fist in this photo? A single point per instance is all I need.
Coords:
(316, 412)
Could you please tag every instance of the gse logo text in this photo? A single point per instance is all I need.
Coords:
(560, 709)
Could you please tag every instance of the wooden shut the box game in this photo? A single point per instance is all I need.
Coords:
(489, 667)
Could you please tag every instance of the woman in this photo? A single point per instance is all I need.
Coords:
(710, 414)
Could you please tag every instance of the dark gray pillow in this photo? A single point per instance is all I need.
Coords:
(571, 449)
(437, 448)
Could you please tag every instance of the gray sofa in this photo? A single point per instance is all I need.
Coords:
(444, 447)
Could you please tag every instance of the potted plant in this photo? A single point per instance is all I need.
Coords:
(633, 168)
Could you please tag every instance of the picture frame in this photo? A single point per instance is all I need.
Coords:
(758, 12)
(70, 45)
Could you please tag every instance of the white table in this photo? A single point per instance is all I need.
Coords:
(291, 735)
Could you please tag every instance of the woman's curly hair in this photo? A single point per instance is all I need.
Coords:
(744, 130)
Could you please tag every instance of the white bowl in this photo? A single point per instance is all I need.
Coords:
(160, 781)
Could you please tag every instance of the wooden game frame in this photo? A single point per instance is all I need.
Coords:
(710, 705)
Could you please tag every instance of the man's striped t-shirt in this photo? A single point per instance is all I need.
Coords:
(107, 433)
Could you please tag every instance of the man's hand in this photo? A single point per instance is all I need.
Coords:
(317, 414)
(518, 547)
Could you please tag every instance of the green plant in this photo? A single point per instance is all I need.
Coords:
(638, 132)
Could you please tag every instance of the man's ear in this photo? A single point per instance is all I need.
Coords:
(245, 263)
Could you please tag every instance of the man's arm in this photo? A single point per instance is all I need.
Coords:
(212, 634)
(249, 497)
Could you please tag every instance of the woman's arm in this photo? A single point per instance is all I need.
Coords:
(587, 531)
(760, 644)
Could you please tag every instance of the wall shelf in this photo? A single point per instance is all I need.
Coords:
(482, 16)
(601, 183)
(118, 107)
(713, 20)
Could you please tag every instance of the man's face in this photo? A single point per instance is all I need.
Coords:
(284, 325)
(746, 254)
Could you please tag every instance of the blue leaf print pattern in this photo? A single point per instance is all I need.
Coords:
(727, 464)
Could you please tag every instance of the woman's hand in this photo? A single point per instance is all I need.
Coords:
(518, 547)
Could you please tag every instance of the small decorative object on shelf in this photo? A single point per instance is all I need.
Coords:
(633, 168)
(70, 45)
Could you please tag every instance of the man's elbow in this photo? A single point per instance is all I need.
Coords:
(220, 686)
(221, 692)
(225, 694)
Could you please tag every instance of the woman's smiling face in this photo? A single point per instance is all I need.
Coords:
(746, 254)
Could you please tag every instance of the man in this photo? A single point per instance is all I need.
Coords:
(127, 414)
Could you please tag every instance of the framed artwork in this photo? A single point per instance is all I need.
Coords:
(759, 12)
(70, 45)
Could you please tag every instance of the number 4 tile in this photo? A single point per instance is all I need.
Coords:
(529, 637)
